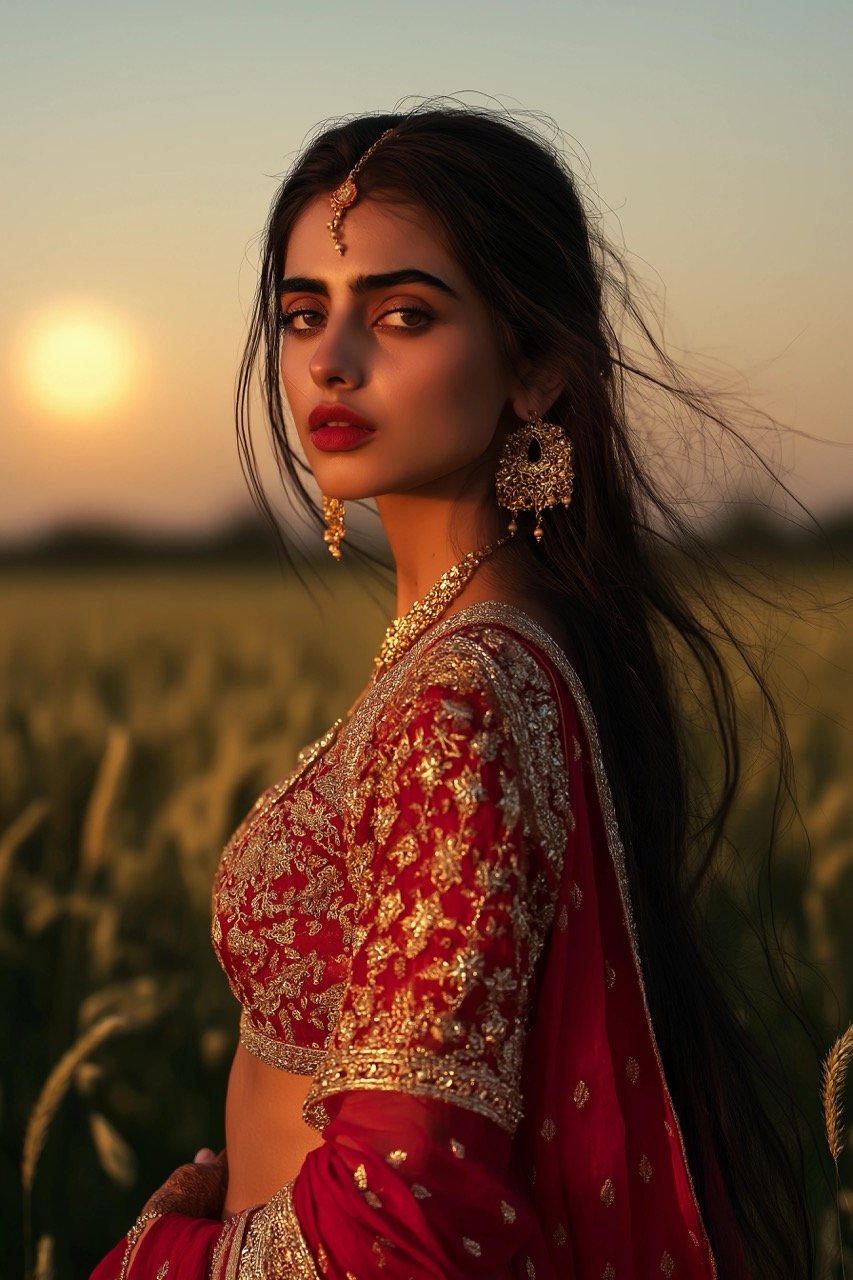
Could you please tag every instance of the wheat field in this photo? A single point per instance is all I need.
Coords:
(140, 714)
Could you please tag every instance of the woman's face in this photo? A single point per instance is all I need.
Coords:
(389, 361)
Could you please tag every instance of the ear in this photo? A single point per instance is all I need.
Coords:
(536, 392)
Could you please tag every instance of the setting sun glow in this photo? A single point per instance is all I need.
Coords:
(78, 361)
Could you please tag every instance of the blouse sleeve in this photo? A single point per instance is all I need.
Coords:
(457, 848)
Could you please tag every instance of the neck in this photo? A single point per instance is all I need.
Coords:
(429, 534)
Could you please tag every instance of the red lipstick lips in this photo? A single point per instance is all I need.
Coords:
(335, 427)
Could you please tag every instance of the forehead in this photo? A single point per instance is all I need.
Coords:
(378, 235)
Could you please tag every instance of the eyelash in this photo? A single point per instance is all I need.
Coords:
(286, 319)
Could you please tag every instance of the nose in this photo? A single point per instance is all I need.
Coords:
(337, 360)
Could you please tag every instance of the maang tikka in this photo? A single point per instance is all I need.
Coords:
(333, 515)
(345, 196)
(341, 199)
(534, 471)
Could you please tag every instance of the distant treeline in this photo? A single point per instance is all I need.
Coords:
(244, 541)
(745, 531)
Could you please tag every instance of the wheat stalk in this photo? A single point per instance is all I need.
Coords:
(44, 1259)
(55, 1088)
(106, 786)
(117, 1158)
(833, 1080)
(15, 835)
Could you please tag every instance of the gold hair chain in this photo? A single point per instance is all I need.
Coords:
(344, 196)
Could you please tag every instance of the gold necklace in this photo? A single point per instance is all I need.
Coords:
(410, 626)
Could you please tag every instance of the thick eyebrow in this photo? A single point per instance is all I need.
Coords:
(366, 284)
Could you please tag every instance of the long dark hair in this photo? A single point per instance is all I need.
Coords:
(514, 218)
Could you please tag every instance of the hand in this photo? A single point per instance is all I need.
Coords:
(197, 1189)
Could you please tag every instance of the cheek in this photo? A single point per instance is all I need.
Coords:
(460, 385)
(294, 377)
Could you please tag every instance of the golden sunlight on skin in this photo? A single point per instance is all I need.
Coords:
(265, 1135)
(78, 361)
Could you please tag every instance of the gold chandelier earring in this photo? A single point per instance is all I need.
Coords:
(333, 515)
(534, 471)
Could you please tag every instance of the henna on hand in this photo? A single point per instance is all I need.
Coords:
(194, 1189)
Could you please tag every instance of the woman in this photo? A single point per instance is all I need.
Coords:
(478, 1036)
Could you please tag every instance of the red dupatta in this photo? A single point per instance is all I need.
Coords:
(495, 974)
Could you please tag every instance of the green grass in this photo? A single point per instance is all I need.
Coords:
(140, 715)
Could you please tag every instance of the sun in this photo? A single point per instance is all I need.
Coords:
(78, 361)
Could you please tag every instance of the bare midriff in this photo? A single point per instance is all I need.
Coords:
(265, 1136)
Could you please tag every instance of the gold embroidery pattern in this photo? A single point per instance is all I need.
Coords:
(581, 1094)
(645, 1168)
(283, 910)
(276, 1053)
(608, 1193)
(667, 1265)
(220, 1250)
(241, 1224)
(465, 810)
(275, 1248)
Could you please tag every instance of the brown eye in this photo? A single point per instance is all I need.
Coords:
(301, 320)
(405, 318)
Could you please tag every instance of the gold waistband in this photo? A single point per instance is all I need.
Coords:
(299, 1059)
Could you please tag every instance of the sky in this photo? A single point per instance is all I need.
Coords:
(142, 145)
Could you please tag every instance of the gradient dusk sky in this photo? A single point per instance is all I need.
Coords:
(143, 143)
